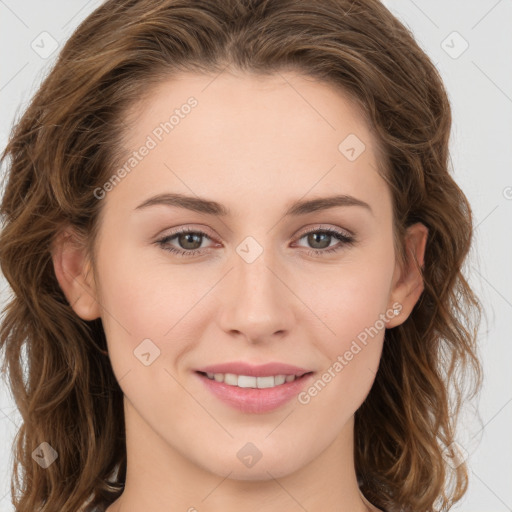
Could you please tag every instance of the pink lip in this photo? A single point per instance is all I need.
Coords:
(255, 400)
(264, 370)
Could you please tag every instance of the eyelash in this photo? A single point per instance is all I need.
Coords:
(345, 240)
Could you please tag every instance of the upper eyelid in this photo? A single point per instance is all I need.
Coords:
(344, 231)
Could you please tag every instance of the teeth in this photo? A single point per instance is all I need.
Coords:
(230, 379)
(246, 381)
(281, 379)
(243, 381)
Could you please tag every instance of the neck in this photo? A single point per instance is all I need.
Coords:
(160, 478)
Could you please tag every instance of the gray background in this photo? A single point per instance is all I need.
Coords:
(479, 83)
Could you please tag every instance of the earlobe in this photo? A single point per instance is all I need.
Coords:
(74, 274)
(408, 280)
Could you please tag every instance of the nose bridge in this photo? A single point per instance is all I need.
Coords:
(257, 303)
(255, 282)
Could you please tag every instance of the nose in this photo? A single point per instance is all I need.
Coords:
(257, 303)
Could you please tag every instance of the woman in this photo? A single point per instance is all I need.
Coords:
(235, 251)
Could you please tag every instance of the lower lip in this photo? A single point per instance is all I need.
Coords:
(255, 400)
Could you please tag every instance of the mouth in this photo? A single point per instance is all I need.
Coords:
(251, 381)
(254, 394)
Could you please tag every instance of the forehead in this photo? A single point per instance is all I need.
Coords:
(216, 135)
(284, 104)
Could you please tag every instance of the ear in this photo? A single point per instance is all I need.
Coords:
(407, 280)
(73, 270)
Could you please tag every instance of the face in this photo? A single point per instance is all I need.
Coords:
(255, 278)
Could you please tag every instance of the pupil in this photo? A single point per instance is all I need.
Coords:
(189, 237)
(312, 239)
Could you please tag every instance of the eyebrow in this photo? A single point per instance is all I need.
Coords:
(209, 207)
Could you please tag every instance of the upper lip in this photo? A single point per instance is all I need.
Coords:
(263, 370)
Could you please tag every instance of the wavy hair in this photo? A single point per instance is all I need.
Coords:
(68, 142)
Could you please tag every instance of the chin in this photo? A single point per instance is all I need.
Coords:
(266, 468)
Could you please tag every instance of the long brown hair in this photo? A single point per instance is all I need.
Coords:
(68, 143)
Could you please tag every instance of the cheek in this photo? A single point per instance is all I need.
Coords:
(149, 300)
(351, 302)
(351, 355)
(146, 296)
(352, 307)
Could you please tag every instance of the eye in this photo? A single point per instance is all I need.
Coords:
(321, 239)
(190, 241)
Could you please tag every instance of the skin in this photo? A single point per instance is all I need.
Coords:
(255, 145)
